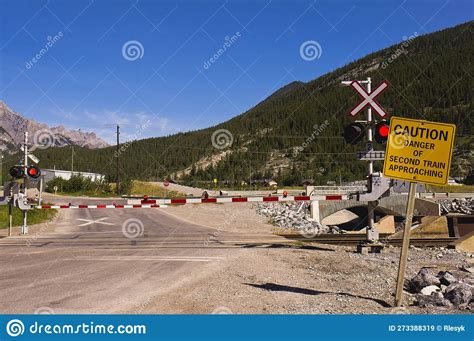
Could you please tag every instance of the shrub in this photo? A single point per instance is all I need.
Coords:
(77, 183)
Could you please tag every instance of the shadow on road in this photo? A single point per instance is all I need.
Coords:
(281, 246)
(304, 291)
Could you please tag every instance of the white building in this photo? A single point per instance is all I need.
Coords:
(50, 174)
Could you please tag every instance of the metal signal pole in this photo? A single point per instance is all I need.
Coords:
(370, 205)
(117, 156)
(371, 234)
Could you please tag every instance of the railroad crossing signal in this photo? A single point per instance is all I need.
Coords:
(369, 99)
(18, 172)
(33, 172)
(381, 131)
(32, 157)
(353, 133)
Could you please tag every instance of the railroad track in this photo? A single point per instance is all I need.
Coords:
(203, 240)
(354, 239)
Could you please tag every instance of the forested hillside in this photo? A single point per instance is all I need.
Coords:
(431, 79)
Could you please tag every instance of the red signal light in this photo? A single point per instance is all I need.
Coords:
(381, 131)
(33, 172)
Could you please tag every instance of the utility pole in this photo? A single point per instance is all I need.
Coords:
(24, 228)
(117, 156)
(72, 160)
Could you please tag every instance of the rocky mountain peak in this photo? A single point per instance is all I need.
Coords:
(13, 125)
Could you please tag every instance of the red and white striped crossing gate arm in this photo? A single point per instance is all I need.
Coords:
(60, 206)
(157, 203)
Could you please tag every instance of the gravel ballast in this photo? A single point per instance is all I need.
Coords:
(295, 216)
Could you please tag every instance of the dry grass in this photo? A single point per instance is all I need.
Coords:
(451, 189)
(150, 189)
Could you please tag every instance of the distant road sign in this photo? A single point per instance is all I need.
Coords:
(419, 151)
(371, 155)
(369, 99)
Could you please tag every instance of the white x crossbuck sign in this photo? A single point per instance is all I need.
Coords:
(369, 99)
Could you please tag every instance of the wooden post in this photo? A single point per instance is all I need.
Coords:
(406, 242)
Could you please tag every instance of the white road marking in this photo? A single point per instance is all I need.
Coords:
(79, 233)
(148, 258)
(98, 221)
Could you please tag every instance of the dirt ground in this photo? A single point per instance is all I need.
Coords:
(304, 278)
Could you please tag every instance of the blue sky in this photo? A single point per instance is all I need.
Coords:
(90, 78)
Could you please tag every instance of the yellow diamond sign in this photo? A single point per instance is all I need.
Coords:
(419, 151)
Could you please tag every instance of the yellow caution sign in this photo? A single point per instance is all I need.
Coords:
(419, 151)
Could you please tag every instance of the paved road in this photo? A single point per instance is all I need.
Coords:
(90, 265)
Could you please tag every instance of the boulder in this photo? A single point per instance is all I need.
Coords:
(427, 291)
(436, 299)
(467, 268)
(446, 278)
(423, 279)
(470, 306)
(459, 293)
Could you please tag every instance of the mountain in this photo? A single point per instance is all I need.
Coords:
(295, 133)
(13, 126)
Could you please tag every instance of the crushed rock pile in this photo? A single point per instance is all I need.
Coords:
(463, 205)
(294, 216)
(442, 290)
